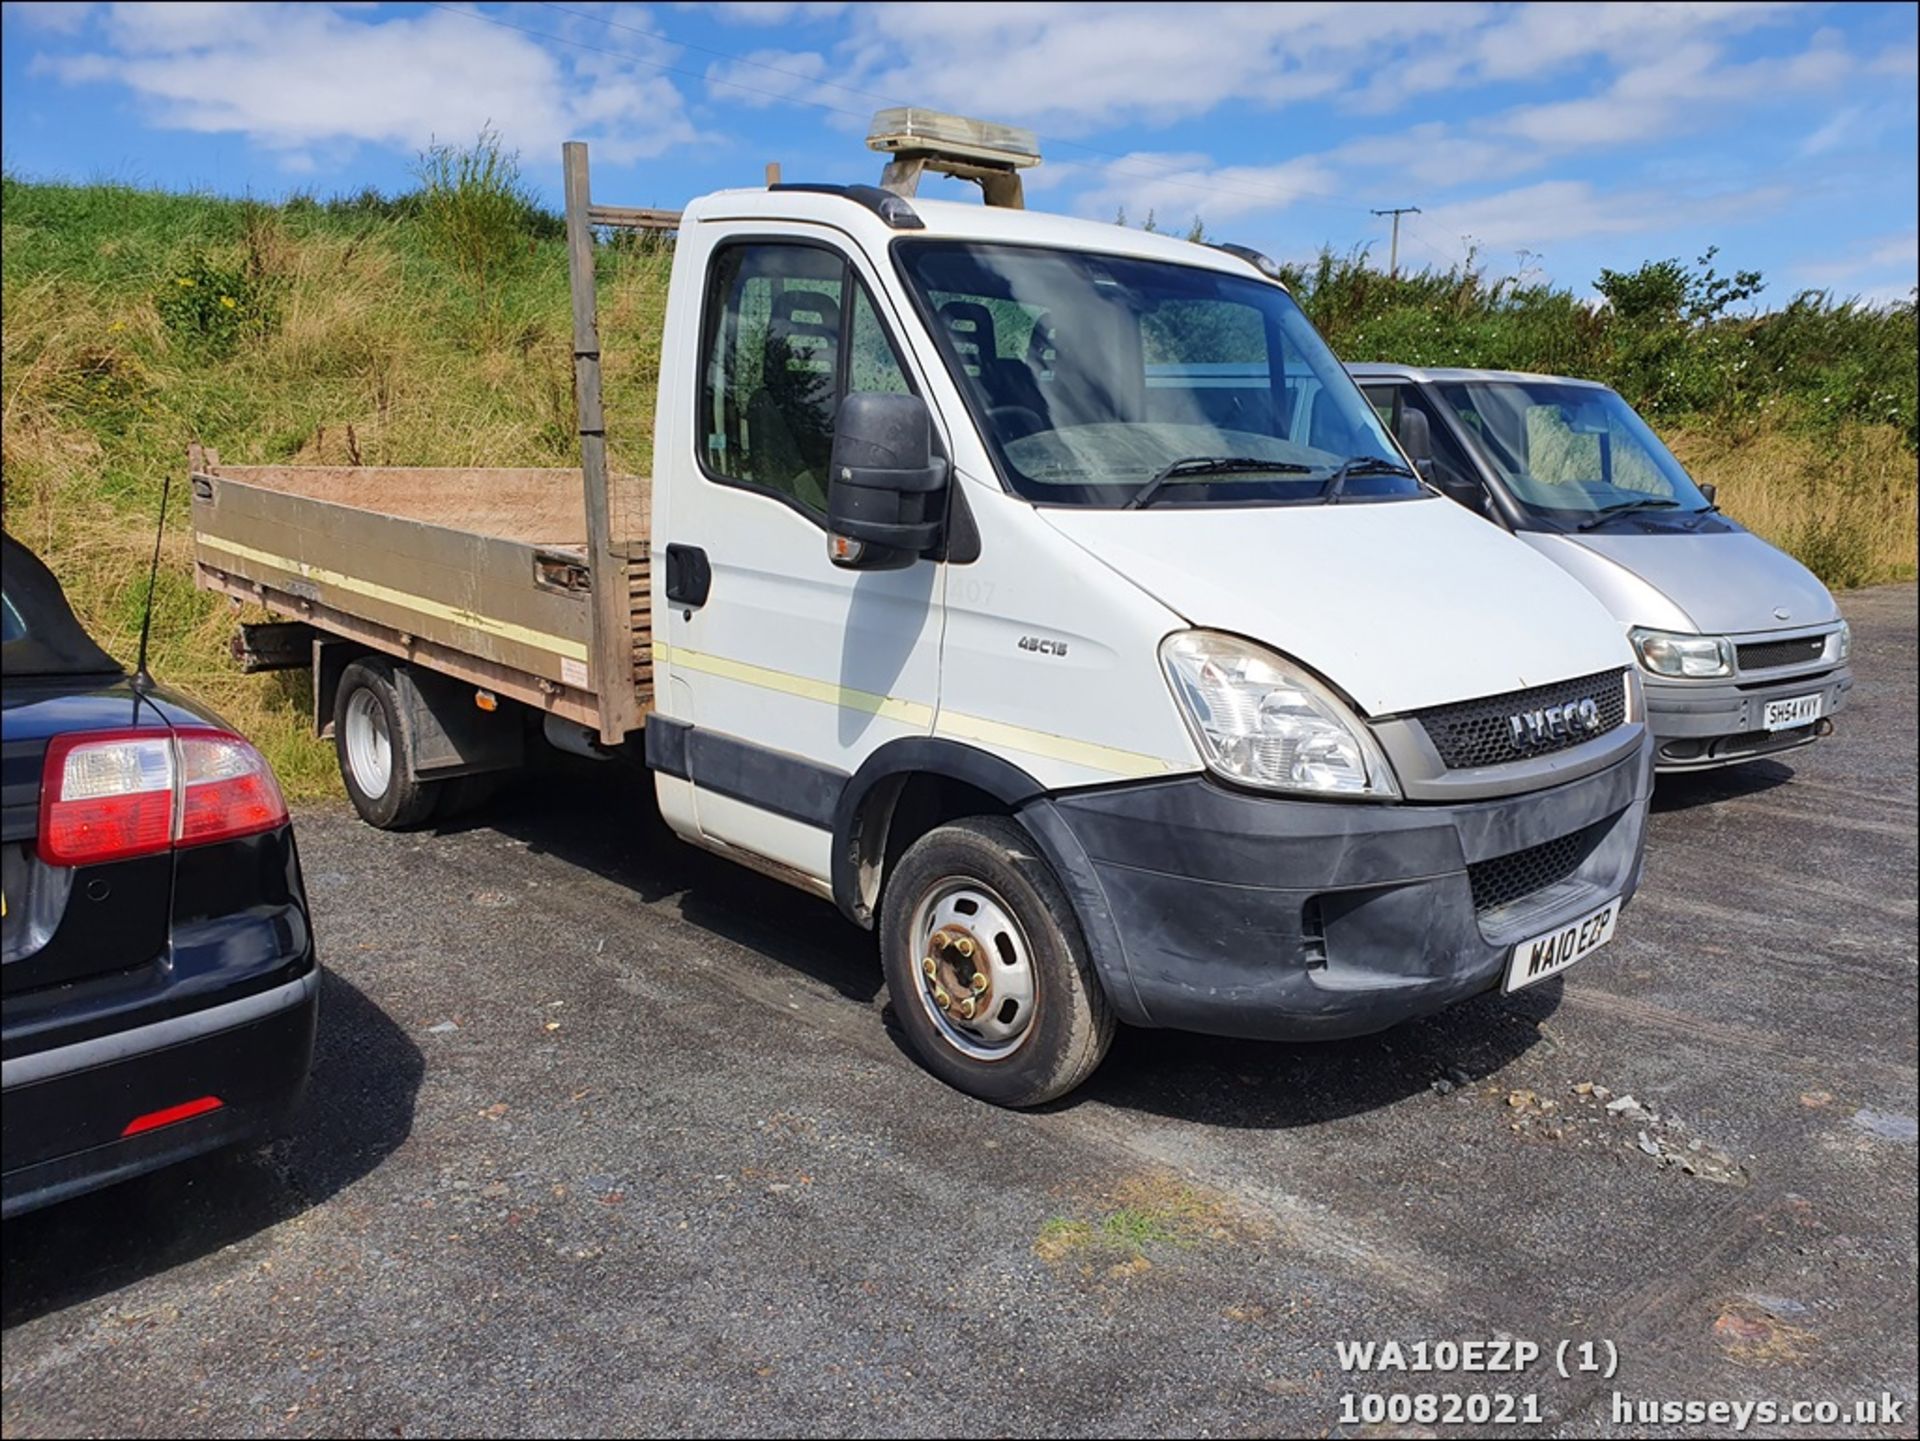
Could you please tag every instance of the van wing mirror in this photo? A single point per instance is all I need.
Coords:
(886, 489)
(1415, 434)
(1709, 490)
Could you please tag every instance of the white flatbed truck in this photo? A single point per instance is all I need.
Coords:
(1040, 592)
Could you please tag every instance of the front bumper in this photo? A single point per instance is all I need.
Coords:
(1216, 911)
(1700, 725)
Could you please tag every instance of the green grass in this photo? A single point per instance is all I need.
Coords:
(432, 329)
(352, 332)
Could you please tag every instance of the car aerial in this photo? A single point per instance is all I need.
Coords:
(1742, 651)
(160, 986)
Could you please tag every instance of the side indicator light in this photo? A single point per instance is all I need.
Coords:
(167, 1116)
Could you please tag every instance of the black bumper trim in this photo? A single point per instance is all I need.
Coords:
(63, 1133)
(1215, 911)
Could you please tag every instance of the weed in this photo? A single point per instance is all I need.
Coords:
(211, 308)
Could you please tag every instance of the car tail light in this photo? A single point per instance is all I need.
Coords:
(111, 795)
(227, 789)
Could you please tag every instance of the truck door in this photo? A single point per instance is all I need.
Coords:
(783, 671)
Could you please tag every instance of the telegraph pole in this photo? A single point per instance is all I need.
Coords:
(1393, 255)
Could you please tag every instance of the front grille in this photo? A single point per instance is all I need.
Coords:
(1772, 654)
(1474, 733)
(1505, 879)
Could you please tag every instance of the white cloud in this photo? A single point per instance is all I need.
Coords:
(1885, 265)
(51, 17)
(1685, 90)
(766, 77)
(1901, 60)
(1438, 156)
(1072, 68)
(1555, 211)
(288, 76)
(771, 12)
(1176, 187)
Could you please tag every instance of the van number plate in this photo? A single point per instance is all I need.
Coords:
(1552, 953)
(1784, 715)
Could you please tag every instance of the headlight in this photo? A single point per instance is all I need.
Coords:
(1262, 721)
(1841, 646)
(1691, 657)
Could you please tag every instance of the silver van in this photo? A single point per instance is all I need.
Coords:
(1743, 651)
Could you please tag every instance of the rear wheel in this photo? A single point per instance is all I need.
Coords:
(375, 756)
(988, 973)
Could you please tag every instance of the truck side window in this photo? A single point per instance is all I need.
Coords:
(779, 355)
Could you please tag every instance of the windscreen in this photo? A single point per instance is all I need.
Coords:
(1576, 450)
(38, 633)
(1091, 374)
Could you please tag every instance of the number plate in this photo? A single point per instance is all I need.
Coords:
(1559, 948)
(1784, 715)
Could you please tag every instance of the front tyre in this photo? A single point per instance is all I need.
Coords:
(988, 972)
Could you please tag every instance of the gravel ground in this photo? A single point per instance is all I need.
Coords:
(606, 1136)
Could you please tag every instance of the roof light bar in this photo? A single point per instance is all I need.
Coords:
(907, 129)
(979, 150)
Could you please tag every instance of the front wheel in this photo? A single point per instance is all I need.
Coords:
(986, 967)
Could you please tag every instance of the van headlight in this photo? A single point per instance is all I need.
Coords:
(1260, 720)
(1685, 657)
(1840, 644)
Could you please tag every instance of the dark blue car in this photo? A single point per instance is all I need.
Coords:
(160, 987)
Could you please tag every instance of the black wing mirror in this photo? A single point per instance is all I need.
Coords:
(1415, 434)
(1709, 490)
(886, 490)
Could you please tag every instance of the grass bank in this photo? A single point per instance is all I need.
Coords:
(415, 331)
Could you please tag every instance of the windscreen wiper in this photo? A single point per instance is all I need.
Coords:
(1210, 465)
(1361, 465)
(1609, 512)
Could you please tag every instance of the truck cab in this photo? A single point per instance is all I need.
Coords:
(1742, 652)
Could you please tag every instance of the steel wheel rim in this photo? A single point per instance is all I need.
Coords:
(954, 914)
(369, 746)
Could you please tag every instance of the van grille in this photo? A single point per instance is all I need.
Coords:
(1506, 879)
(1772, 654)
(1474, 733)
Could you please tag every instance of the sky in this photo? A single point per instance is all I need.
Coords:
(1551, 140)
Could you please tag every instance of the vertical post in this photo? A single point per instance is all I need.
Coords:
(1393, 252)
(773, 173)
(610, 653)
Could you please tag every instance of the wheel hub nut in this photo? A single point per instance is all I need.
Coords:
(956, 981)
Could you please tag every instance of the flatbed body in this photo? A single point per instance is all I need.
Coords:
(482, 574)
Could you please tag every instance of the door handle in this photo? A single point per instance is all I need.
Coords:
(689, 577)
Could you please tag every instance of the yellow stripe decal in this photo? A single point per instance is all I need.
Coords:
(915, 713)
(1055, 747)
(906, 712)
(473, 620)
